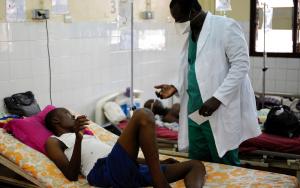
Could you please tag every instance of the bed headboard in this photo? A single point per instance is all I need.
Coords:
(100, 118)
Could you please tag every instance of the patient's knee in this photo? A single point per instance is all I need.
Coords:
(144, 117)
(198, 165)
(143, 113)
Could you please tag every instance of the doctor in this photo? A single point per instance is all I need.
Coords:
(213, 80)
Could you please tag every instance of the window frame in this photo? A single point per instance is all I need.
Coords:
(252, 42)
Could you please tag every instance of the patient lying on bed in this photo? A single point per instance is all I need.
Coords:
(74, 152)
(168, 115)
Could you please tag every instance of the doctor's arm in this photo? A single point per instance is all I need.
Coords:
(237, 53)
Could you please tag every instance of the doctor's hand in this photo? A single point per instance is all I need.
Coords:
(209, 107)
(166, 91)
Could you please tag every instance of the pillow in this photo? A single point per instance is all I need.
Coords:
(31, 130)
(113, 112)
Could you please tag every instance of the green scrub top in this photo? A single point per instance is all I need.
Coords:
(201, 141)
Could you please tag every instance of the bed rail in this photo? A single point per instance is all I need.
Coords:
(276, 154)
(279, 94)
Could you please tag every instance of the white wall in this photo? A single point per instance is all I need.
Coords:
(283, 75)
(85, 64)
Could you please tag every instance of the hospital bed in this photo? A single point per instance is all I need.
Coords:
(166, 138)
(271, 151)
(255, 158)
(38, 169)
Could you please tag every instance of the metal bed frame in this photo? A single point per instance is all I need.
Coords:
(262, 158)
(266, 159)
(269, 159)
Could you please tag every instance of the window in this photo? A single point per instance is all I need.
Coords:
(278, 31)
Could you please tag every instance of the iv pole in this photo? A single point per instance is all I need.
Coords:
(264, 69)
(132, 107)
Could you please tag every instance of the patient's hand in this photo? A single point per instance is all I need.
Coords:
(81, 123)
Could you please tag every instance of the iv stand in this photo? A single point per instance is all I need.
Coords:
(264, 69)
(132, 107)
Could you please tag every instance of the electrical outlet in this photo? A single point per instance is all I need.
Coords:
(68, 18)
(147, 15)
(40, 14)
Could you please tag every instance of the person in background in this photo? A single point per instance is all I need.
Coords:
(213, 80)
(117, 166)
(169, 115)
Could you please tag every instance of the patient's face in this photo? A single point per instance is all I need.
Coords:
(67, 120)
(157, 105)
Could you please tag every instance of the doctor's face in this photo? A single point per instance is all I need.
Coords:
(178, 13)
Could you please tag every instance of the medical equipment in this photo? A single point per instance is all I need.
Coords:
(148, 13)
(265, 68)
(223, 6)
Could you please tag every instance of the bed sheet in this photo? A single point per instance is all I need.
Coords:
(271, 143)
(161, 132)
(40, 167)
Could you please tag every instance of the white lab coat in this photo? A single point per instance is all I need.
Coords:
(222, 66)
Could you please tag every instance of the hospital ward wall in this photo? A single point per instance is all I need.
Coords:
(90, 57)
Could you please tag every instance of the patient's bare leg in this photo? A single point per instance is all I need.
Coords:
(193, 172)
(141, 132)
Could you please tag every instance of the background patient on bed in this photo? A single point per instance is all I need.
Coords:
(168, 115)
